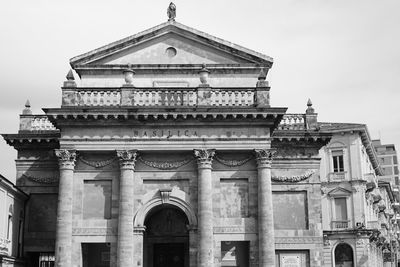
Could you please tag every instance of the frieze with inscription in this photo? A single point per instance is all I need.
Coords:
(94, 231)
(171, 132)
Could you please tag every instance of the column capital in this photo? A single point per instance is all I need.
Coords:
(139, 230)
(264, 157)
(66, 158)
(204, 157)
(127, 158)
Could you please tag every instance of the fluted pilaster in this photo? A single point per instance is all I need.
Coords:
(266, 235)
(125, 243)
(66, 160)
(205, 210)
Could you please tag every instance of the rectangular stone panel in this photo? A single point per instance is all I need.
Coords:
(292, 258)
(97, 199)
(290, 210)
(234, 194)
(42, 212)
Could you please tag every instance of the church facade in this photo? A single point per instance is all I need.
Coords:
(168, 152)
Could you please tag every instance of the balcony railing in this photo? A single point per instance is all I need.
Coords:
(160, 97)
(337, 176)
(340, 224)
(4, 246)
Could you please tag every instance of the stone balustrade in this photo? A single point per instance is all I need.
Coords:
(161, 97)
(4, 246)
(292, 122)
(35, 123)
(340, 224)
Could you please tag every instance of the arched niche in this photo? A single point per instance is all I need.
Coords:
(170, 197)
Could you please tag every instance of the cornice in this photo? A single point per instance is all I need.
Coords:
(38, 140)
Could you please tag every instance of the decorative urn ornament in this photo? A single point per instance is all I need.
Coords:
(204, 73)
(128, 75)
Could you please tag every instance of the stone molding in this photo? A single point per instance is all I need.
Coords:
(66, 158)
(293, 179)
(164, 165)
(299, 240)
(139, 230)
(264, 157)
(204, 157)
(235, 229)
(97, 164)
(94, 231)
(127, 158)
(232, 162)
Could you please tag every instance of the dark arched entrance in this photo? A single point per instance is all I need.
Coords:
(343, 255)
(166, 239)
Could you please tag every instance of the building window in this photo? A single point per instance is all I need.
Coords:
(340, 209)
(46, 260)
(9, 227)
(338, 165)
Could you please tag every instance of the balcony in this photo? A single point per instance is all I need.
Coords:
(337, 176)
(340, 224)
(4, 246)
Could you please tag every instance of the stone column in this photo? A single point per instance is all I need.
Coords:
(266, 235)
(205, 210)
(63, 249)
(125, 211)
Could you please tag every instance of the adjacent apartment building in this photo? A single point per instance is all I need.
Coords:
(12, 217)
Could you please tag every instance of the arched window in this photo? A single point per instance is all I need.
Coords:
(343, 255)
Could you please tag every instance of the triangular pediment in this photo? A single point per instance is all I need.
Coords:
(171, 43)
(339, 192)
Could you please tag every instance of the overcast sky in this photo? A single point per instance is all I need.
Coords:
(343, 54)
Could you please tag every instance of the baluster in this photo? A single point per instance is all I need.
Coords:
(113, 99)
(179, 101)
(87, 98)
(106, 99)
(172, 97)
(80, 101)
(213, 97)
(146, 98)
(101, 98)
(217, 98)
(249, 98)
(96, 98)
(236, 99)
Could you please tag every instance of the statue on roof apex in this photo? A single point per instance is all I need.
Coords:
(171, 12)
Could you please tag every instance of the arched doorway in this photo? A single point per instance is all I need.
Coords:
(343, 255)
(166, 239)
